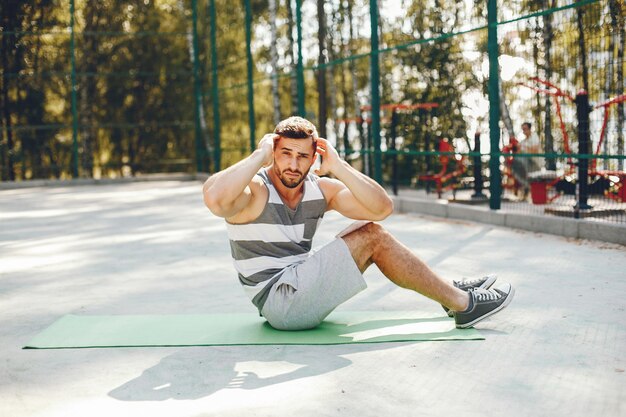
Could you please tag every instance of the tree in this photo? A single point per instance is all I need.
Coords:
(274, 60)
(10, 65)
(291, 53)
(332, 55)
(136, 66)
(548, 35)
(321, 73)
(95, 17)
(617, 10)
(584, 68)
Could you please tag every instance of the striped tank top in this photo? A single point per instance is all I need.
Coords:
(280, 237)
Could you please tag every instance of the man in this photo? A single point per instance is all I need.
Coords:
(531, 144)
(273, 206)
(523, 166)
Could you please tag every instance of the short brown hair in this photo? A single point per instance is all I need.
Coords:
(296, 127)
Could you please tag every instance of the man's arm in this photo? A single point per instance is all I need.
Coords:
(352, 194)
(228, 192)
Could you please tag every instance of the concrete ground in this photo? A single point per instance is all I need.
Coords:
(152, 248)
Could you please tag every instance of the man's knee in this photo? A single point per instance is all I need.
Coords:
(365, 242)
(374, 229)
(370, 234)
(368, 229)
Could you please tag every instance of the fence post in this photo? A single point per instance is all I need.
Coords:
(217, 147)
(74, 99)
(200, 157)
(582, 187)
(251, 121)
(478, 174)
(495, 180)
(375, 75)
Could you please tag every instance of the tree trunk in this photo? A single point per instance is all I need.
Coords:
(87, 95)
(206, 142)
(504, 109)
(274, 61)
(345, 143)
(620, 83)
(332, 86)
(610, 74)
(7, 157)
(538, 105)
(87, 86)
(384, 81)
(547, 46)
(8, 23)
(353, 33)
(291, 51)
(321, 72)
(583, 50)
(38, 109)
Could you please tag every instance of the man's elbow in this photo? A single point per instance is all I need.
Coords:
(212, 201)
(217, 208)
(388, 207)
(386, 210)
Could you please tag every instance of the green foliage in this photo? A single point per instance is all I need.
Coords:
(135, 87)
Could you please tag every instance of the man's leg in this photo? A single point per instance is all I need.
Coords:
(373, 244)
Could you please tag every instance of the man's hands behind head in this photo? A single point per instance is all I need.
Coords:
(266, 146)
(330, 158)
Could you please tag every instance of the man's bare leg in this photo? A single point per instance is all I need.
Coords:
(373, 244)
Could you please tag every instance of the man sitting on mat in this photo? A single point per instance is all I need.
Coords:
(273, 206)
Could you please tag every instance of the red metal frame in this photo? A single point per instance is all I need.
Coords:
(606, 105)
(509, 181)
(620, 184)
(557, 93)
(443, 178)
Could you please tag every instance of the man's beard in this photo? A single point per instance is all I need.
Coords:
(287, 181)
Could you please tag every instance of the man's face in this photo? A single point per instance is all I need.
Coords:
(526, 129)
(292, 160)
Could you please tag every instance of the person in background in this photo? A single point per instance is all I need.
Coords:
(523, 167)
(531, 144)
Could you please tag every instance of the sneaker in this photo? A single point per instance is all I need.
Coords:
(468, 284)
(485, 282)
(483, 303)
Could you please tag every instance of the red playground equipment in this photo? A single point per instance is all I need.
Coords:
(613, 183)
(544, 188)
(616, 179)
(452, 167)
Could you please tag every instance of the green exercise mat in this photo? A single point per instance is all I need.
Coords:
(73, 331)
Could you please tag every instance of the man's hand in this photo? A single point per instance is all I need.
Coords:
(266, 145)
(330, 158)
(231, 192)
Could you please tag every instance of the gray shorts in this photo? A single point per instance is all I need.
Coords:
(308, 292)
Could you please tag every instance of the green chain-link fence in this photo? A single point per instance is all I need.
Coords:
(434, 96)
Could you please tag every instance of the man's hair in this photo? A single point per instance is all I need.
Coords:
(296, 127)
(530, 125)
